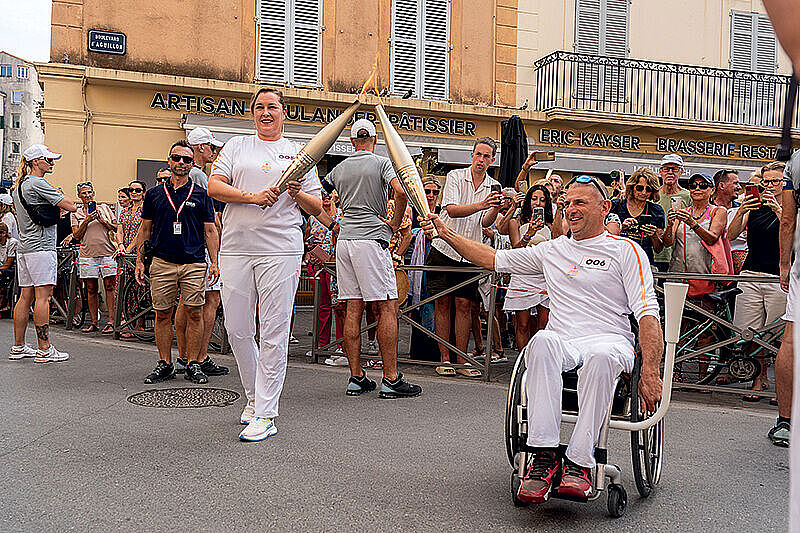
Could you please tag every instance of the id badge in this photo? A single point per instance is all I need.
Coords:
(176, 228)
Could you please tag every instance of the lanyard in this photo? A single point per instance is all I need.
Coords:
(178, 211)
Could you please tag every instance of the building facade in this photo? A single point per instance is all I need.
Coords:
(21, 124)
(607, 84)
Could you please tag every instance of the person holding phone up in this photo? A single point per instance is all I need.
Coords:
(642, 219)
(93, 226)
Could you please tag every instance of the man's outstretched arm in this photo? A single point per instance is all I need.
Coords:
(476, 253)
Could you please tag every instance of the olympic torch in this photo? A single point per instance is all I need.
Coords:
(404, 166)
(317, 147)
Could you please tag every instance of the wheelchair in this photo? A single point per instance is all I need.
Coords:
(625, 413)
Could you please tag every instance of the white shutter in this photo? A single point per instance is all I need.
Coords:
(766, 46)
(753, 49)
(405, 46)
(614, 37)
(435, 48)
(272, 65)
(741, 41)
(587, 26)
(306, 43)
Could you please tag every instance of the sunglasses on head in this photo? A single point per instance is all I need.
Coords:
(583, 179)
(640, 188)
(85, 184)
(702, 185)
(185, 158)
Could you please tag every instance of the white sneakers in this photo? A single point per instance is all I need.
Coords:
(51, 355)
(247, 413)
(258, 429)
(18, 352)
(337, 360)
(372, 347)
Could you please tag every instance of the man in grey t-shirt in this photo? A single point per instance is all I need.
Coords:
(364, 268)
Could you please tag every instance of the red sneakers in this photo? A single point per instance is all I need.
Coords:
(576, 481)
(543, 472)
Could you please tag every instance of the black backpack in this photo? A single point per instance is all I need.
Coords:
(41, 214)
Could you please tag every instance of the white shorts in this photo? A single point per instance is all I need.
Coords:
(794, 279)
(95, 267)
(364, 271)
(217, 285)
(35, 269)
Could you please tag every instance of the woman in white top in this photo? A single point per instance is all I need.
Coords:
(526, 293)
(7, 215)
(260, 253)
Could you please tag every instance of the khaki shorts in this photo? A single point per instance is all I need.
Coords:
(166, 278)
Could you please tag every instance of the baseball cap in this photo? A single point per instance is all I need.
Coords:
(202, 136)
(702, 175)
(672, 158)
(39, 151)
(360, 125)
(6, 199)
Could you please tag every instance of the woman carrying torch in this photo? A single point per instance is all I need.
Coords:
(260, 254)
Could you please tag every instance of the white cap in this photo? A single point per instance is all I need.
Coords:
(362, 124)
(6, 199)
(39, 151)
(202, 136)
(672, 158)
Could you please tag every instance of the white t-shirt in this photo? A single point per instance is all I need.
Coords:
(593, 284)
(252, 165)
(11, 221)
(9, 249)
(740, 242)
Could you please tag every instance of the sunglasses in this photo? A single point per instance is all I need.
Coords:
(640, 188)
(583, 179)
(671, 170)
(85, 184)
(136, 189)
(431, 191)
(185, 158)
(702, 185)
(49, 161)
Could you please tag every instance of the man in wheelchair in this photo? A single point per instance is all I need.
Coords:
(594, 281)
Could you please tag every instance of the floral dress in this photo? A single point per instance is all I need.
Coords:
(130, 219)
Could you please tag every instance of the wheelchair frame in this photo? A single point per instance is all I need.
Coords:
(646, 428)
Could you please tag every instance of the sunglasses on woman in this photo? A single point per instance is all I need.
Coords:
(702, 185)
(640, 188)
(136, 189)
(432, 191)
(185, 158)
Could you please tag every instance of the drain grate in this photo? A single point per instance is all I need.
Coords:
(186, 397)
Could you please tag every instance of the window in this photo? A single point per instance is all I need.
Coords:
(601, 29)
(754, 48)
(290, 42)
(14, 147)
(22, 72)
(5, 71)
(15, 120)
(16, 97)
(420, 55)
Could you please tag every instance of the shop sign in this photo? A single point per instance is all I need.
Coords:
(107, 42)
(198, 104)
(613, 141)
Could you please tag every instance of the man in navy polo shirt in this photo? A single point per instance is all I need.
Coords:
(178, 220)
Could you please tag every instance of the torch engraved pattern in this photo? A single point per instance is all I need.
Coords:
(404, 165)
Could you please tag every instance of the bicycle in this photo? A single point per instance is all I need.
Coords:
(59, 302)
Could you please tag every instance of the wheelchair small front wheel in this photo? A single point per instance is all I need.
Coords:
(617, 500)
(515, 483)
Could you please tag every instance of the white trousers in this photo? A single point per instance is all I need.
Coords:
(270, 281)
(603, 358)
(794, 447)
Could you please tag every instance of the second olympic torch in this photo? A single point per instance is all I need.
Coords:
(404, 166)
(317, 147)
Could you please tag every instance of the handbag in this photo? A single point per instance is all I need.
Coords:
(41, 214)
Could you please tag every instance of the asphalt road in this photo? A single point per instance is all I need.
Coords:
(76, 455)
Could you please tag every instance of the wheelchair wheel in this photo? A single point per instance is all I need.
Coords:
(617, 500)
(647, 447)
(512, 401)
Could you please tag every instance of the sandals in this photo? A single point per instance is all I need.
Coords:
(126, 335)
(107, 329)
(468, 371)
(445, 370)
(751, 398)
(91, 328)
(499, 357)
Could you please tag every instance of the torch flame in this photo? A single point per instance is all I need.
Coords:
(372, 80)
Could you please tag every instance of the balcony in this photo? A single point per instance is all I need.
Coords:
(572, 82)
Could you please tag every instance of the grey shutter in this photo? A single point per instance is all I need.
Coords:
(405, 36)
(306, 43)
(587, 27)
(272, 41)
(435, 49)
(741, 41)
(765, 58)
(753, 49)
(614, 43)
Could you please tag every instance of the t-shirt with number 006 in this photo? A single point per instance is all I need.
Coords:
(252, 164)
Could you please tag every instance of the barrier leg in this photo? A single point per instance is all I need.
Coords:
(73, 286)
(487, 363)
(315, 316)
(121, 279)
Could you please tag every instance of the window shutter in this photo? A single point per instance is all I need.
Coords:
(587, 26)
(766, 49)
(405, 35)
(272, 40)
(614, 40)
(306, 43)
(436, 49)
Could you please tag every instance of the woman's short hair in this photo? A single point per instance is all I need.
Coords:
(651, 179)
(262, 90)
(775, 165)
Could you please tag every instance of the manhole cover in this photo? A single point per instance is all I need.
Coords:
(184, 397)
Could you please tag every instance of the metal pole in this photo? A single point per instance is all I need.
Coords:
(73, 285)
(315, 316)
(493, 279)
(121, 279)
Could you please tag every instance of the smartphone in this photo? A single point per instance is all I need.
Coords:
(524, 186)
(544, 156)
(497, 188)
(538, 213)
(751, 189)
(645, 220)
(676, 203)
(92, 206)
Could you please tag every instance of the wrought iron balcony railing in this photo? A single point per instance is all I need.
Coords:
(570, 81)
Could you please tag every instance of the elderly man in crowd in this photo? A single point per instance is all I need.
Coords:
(670, 171)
